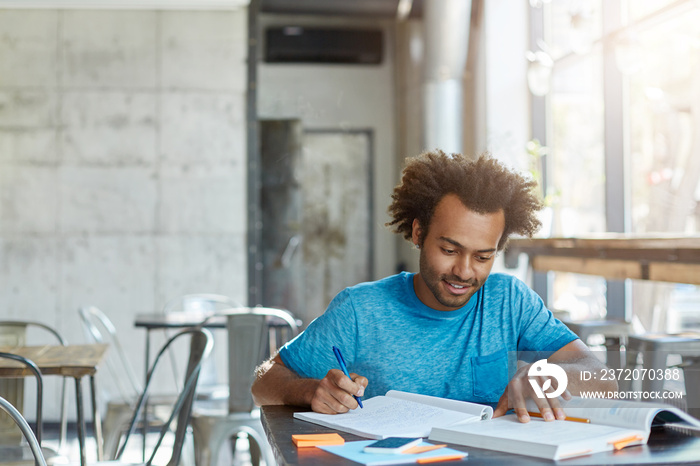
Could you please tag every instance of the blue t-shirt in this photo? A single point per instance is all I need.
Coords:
(389, 336)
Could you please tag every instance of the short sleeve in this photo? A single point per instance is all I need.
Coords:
(540, 332)
(310, 354)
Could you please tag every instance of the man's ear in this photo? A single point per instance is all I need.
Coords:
(416, 232)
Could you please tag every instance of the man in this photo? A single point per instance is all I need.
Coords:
(450, 330)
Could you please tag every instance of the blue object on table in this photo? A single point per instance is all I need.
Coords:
(344, 368)
(354, 451)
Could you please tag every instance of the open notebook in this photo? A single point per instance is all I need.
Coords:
(401, 414)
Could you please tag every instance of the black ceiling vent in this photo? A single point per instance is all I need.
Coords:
(294, 44)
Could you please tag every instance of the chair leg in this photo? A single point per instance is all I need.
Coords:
(207, 442)
(210, 433)
(255, 451)
(63, 429)
(112, 429)
(187, 458)
(233, 441)
(256, 436)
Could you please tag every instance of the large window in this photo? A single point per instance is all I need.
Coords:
(663, 114)
(651, 49)
(664, 123)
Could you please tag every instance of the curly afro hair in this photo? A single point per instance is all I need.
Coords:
(483, 185)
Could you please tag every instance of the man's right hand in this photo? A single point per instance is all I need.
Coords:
(334, 393)
(275, 384)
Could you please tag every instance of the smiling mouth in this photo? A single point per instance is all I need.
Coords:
(457, 288)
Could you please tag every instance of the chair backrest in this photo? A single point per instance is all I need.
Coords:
(29, 364)
(23, 325)
(15, 332)
(100, 329)
(26, 430)
(201, 344)
(201, 305)
(249, 344)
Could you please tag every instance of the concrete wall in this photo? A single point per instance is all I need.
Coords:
(122, 149)
(122, 163)
(342, 97)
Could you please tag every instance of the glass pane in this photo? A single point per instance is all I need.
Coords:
(663, 116)
(576, 195)
(666, 307)
(664, 156)
(577, 190)
(581, 296)
(639, 8)
(660, 59)
(573, 26)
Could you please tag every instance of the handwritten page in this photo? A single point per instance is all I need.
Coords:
(389, 417)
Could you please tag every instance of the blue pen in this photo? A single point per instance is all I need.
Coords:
(341, 361)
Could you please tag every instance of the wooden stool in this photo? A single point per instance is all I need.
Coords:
(614, 331)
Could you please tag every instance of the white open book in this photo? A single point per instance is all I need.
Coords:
(613, 424)
(401, 414)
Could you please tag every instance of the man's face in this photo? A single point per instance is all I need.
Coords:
(457, 254)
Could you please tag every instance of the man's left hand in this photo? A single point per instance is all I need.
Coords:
(519, 390)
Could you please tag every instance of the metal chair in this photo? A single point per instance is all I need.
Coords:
(249, 344)
(19, 330)
(203, 305)
(18, 454)
(200, 347)
(17, 417)
(99, 329)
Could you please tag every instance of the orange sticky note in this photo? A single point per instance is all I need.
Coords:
(436, 459)
(315, 440)
(622, 443)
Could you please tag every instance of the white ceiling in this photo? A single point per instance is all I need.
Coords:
(126, 4)
(375, 8)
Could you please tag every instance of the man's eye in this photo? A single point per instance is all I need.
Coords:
(483, 258)
(448, 251)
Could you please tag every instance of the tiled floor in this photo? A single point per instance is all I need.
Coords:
(133, 452)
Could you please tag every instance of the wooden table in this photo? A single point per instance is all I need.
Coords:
(614, 256)
(76, 361)
(665, 446)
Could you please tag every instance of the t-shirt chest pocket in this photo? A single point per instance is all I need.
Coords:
(490, 376)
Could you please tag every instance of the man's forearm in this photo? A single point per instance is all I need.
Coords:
(574, 358)
(576, 384)
(276, 384)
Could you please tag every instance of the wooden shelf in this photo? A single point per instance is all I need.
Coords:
(614, 256)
